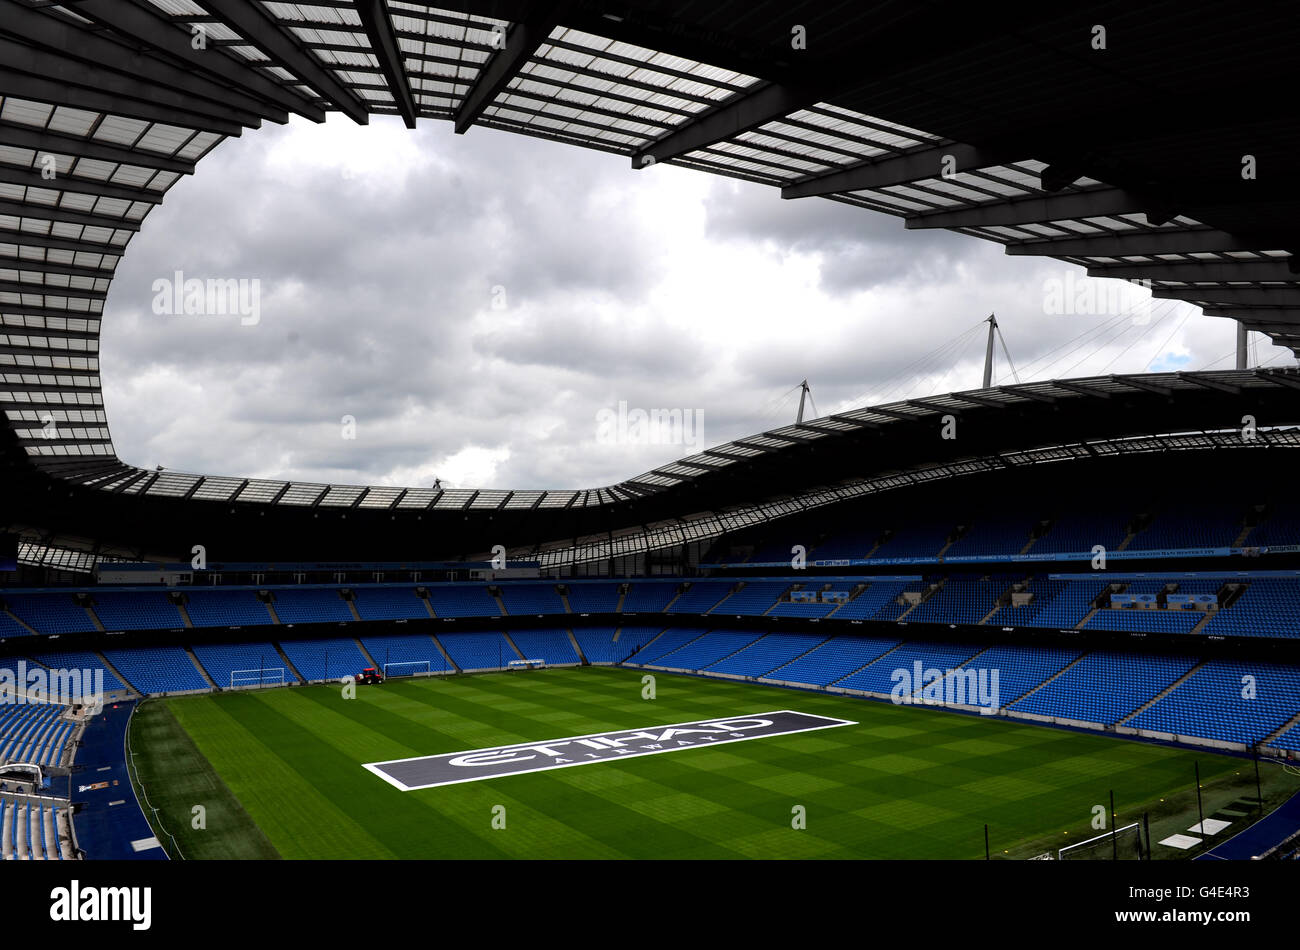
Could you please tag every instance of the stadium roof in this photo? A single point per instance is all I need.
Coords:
(999, 121)
(126, 511)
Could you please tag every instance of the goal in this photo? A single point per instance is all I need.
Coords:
(270, 676)
(1127, 846)
(526, 664)
(407, 668)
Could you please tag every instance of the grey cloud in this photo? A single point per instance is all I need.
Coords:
(378, 306)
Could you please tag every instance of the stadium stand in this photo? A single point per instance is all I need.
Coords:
(257, 663)
(1105, 686)
(958, 596)
(311, 605)
(963, 599)
(1268, 607)
(839, 543)
(1020, 669)
(33, 733)
(531, 599)
(756, 598)
(136, 610)
(702, 596)
(706, 650)
(870, 601)
(463, 601)
(917, 539)
(1289, 739)
(599, 645)
(10, 627)
(879, 676)
(553, 646)
(893, 609)
(1006, 536)
(833, 660)
(644, 597)
(406, 649)
(161, 669)
(225, 608)
(29, 830)
(50, 613)
(1190, 525)
(328, 658)
(83, 661)
(388, 603)
(1230, 700)
(670, 640)
(593, 598)
(790, 608)
(1064, 603)
(478, 651)
(1145, 621)
(1280, 525)
(1078, 531)
(766, 654)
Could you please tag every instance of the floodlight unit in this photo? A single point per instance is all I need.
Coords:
(994, 329)
(988, 351)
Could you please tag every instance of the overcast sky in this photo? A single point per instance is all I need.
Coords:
(481, 304)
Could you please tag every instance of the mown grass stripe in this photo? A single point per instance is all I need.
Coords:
(906, 782)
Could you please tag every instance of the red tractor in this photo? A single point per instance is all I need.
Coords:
(370, 676)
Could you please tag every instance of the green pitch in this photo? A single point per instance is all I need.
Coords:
(906, 782)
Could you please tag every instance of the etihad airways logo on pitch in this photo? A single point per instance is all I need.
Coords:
(495, 762)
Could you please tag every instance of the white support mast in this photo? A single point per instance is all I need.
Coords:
(988, 351)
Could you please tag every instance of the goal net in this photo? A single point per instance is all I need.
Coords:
(270, 676)
(1124, 844)
(407, 668)
(526, 664)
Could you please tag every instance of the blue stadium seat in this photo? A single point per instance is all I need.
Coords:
(50, 613)
(409, 650)
(136, 610)
(388, 603)
(1105, 686)
(166, 669)
(327, 658)
(478, 651)
(588, 598)
(600, 646)
(217, 607)
(553, 645)
(453, 600)
(255, 662)
(521, 599)
(766, 654)
(1216, 703)
(311, 605)
(833, 660)
(707, 650)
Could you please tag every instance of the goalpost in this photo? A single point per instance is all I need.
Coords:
(1127, 846)
(268, 676)
(407, 668)
(526, 664)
